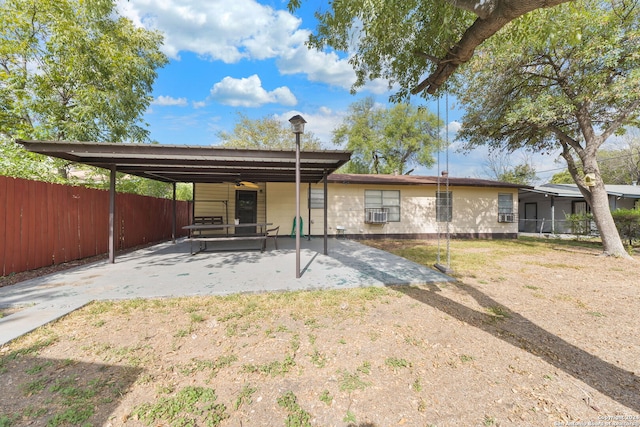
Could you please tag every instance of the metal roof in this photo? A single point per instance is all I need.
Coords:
(571, 190)
(181, 163)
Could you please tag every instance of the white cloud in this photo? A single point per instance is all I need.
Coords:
(230, 31)
(248, 92)
(326, 67)
(321, 122)
(198, 104)
(217, 29)
(169, 101)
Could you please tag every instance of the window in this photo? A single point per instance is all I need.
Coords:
(505, 208)
(382, 201)
(579, 207)
(316, 198)
(444, 206)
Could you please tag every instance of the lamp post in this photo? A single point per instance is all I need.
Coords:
(297, 126)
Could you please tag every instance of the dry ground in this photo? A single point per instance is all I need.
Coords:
(534, 333)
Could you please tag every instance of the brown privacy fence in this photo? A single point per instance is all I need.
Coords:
(42, 224)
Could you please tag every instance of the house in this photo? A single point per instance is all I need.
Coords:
(544, 208)
(371, 206)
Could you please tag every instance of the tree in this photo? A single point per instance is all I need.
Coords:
(500, 168)
(401, 41)
(266, 133)
(563, 177)
(73, 70)
(387, 140)
(619, 165)
(571, 81)
(622, 165)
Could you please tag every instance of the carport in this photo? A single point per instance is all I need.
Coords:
(195, 164)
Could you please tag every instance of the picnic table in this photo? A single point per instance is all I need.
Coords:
(197, 233)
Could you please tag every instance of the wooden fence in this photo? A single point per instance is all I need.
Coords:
(42, 224)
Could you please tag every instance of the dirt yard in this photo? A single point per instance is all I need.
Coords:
(533, 333)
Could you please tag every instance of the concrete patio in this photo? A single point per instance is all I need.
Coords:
(168, 270)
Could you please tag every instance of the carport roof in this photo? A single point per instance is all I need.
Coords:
(182, 163)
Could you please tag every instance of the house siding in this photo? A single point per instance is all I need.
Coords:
(220, 200)
(475, 209)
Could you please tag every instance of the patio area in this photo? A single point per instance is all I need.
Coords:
(168, 270)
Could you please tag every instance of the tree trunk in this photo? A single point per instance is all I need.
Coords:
(611, 243)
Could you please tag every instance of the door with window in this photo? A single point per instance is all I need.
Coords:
(246, 210)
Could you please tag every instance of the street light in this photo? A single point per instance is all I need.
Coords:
(297, 127)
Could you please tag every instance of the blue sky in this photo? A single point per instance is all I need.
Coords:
(248, 56)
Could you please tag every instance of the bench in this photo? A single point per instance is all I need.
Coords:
(227, 238)
(205, 220)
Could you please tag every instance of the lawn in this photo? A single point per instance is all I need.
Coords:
(533, 333)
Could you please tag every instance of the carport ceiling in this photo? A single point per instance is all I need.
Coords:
(179, 163)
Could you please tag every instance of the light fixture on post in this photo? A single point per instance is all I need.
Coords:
(297, 127)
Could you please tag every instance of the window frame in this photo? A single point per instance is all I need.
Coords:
(448, 206)
(394, 211)
(506, 213)
(313, 201)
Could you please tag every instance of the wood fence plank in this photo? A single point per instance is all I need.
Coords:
(45, 223)
(17, 262)
(4, 182)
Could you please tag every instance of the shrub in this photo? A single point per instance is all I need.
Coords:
(628, 223)
(580, 223)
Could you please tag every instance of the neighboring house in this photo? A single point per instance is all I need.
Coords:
(367, 206)
(543, 209)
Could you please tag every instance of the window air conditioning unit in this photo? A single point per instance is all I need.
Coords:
(376, 217)
(506, 217)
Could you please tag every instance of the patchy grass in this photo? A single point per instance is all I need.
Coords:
(367, 356)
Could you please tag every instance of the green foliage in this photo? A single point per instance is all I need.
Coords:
(628, 224)
(580, 223)
(266, 133)
(7, 421)
(350, 382)
(397, 363)
(189, 407)
(297, 417)
(244, 397)
(273, 369)
(563, 177)
(571, 81)
(622, 165)
(529, 92)
(94, 76)
(93, 80)
(520, 174)
(326, 397)
(390, 40)
(387, 140)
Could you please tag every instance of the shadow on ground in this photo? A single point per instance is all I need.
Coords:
(41, 391)
(619, 384)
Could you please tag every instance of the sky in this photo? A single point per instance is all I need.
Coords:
(249, 57)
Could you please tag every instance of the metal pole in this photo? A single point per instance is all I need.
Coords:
(309, 212)
(112, 214)
(297, 221)
(325, 212)
(173, 219)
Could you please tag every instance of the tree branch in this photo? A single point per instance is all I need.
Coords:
(501, 13)
(482, 9)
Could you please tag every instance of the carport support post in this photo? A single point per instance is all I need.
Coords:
(324, 179)
(112, 214)
(553, 216)
(173, 219)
